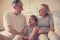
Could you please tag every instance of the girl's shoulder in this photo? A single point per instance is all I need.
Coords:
(36, 27)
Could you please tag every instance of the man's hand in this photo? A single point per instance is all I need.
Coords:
(11, 30)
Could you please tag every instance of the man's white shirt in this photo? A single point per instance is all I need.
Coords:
(17, 22)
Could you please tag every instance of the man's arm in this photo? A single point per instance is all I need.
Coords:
(11, 30)
(7, 24)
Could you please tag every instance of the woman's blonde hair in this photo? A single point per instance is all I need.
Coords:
(47, 9)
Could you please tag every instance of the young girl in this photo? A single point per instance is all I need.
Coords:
(32, 29)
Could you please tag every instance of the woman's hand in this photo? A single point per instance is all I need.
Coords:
(43, 31)
(39, 32)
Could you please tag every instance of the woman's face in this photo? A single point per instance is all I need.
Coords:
(42, 11)
(32, 21)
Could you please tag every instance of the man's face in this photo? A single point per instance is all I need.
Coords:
(18, 7)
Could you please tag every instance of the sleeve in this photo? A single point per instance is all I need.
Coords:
(6, 20)
(51, 21)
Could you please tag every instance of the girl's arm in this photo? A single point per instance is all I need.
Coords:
(35, 30)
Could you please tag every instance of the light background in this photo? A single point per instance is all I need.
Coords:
(32, 7)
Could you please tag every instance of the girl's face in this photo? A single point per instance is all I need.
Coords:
(32, 21)
(42, 11)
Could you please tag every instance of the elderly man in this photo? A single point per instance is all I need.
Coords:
(14, 22)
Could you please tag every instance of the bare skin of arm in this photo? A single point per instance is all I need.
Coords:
(46, 31)
(35, 30)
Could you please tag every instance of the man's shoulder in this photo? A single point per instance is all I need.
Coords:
(23, 15)
(8, 13)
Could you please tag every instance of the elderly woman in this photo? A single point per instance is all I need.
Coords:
(46, 24)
